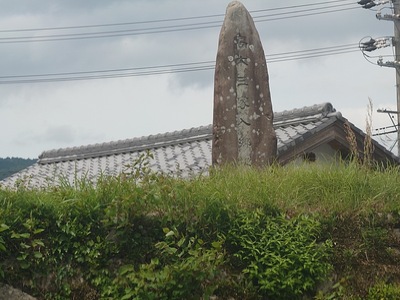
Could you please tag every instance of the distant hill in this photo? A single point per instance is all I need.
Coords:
(11, 165)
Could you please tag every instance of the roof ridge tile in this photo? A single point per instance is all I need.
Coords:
(322, 109)
(287, 117)
(127, 145)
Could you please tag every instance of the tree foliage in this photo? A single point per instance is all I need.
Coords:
(11, 165)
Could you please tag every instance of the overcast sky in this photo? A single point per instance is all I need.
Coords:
(48, 115)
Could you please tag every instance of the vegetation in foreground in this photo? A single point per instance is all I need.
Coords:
(280, 233)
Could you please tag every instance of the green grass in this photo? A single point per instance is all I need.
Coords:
(90, 240)
(308, 189)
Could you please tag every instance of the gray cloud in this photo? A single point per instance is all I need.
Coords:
(70, 108)
(57, 134)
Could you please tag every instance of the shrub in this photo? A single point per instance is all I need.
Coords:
(384, 291)
(184, 269)
(279, 255)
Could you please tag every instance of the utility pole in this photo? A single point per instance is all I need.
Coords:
(396, 42)
(380, 43)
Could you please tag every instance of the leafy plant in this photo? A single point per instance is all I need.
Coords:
(280, 256)
(336, 291)
(385, 291)
(185, 269)
(3, 227)
(239, 232)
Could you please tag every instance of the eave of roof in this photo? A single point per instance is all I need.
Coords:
(283, 119)
(126, 146)
(187, 152)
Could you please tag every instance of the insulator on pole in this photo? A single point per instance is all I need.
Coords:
(369, 43)
(369, 48)
(369, 5)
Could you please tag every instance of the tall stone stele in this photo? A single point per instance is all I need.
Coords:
(243, 130)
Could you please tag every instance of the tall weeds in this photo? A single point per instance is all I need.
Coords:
(368, 146)
(131, 234)
(366, 157)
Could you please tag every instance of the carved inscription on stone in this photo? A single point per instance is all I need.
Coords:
(242, 98)
(243, 119)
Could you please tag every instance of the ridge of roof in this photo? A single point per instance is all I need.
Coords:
(305, 114)
(285, 118)
(124, 146)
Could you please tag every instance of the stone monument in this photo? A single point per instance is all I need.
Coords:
(243, 131)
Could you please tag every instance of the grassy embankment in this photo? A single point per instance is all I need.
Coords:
(330, 232)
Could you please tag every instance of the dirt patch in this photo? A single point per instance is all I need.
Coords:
(9, 293)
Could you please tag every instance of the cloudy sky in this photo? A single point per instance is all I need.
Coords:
(157, 57)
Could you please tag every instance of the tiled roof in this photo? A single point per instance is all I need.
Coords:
(186, 152)
(293, 126)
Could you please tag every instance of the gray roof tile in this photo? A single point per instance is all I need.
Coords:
(186, 152)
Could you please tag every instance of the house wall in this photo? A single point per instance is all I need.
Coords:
(323, 154)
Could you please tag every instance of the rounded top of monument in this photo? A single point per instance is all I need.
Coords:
(235, 3)
(236, 9)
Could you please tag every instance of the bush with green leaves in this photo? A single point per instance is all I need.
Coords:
(238, 232)
(280, 255)
(185, 268)
(385, 291)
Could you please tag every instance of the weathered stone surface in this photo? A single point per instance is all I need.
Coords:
(9, 293)
(243, 118)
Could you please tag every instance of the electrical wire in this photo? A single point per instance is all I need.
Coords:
(311, 56)
(111, 70)
(270, 57)
(308, 14)
(165, 29)
(171, 68)
(317, 50)
(369, 58)
(128, 31)
(300, 5)
(304, 10)
(164, 20)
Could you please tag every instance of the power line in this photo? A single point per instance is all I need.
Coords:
(165, 29)
(338, 47)
(116, 32)
(132, 33)
(306, 10)
(300, 5)
(308, 14)
(111, 70)
(312, 56)
(163, 20)
(171, 68)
